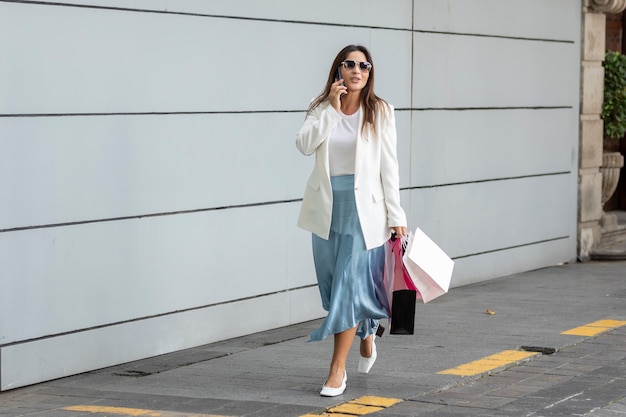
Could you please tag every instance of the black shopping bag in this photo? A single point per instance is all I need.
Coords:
(403, 312)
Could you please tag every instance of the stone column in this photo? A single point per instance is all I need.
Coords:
(591, 125)
(591, 128)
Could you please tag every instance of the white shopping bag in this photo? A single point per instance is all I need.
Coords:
(429, 266)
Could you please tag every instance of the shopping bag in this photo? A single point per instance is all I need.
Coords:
(403, 312)
(428, 266)
(394, 250)
(402, 290)
(401, 278)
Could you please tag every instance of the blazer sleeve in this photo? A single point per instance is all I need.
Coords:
(390, 176)
(317, 127)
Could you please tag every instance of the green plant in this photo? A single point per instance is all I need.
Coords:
(614, 106)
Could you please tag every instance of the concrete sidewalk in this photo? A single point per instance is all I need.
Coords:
(277, 373)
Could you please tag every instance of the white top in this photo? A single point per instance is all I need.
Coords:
(342, 145)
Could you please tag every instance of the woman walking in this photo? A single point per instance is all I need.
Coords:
(351, 206)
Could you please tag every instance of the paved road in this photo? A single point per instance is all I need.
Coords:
(534, 357)
(588, 378)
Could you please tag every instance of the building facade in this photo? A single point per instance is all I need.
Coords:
(151, 184)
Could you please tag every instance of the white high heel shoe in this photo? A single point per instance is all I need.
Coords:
(333, 392)
(365, 364)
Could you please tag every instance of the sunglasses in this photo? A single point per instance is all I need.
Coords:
(363, 66)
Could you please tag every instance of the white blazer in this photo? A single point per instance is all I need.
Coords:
(376, 178)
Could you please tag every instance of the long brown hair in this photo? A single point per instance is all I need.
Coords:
(369, 100)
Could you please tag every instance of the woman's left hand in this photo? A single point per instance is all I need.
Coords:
(400, 231)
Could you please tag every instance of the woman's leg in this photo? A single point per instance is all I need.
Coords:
(343, 343)
(366, 346)
(367, 327)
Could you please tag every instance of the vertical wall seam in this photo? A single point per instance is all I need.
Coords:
(411, 100)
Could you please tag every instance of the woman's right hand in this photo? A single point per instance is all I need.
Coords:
(337, 89)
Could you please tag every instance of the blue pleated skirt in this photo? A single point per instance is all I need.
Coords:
(349, 276)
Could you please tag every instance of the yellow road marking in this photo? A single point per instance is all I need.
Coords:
(114, 410)
(355, 409)
(489, 363)
(358, 407)
(595, 328)
(376, 401)
(124, 411)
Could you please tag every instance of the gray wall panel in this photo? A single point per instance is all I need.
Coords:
(114, 271)
(480, 217)
(539, 19)
(463, 146)
(395, 14)
(98, 348)
(466, 71)
(523, 258)
(90, 168)
(97, 61)
(147, 151)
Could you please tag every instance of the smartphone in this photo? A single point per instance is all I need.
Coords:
(339, 77)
